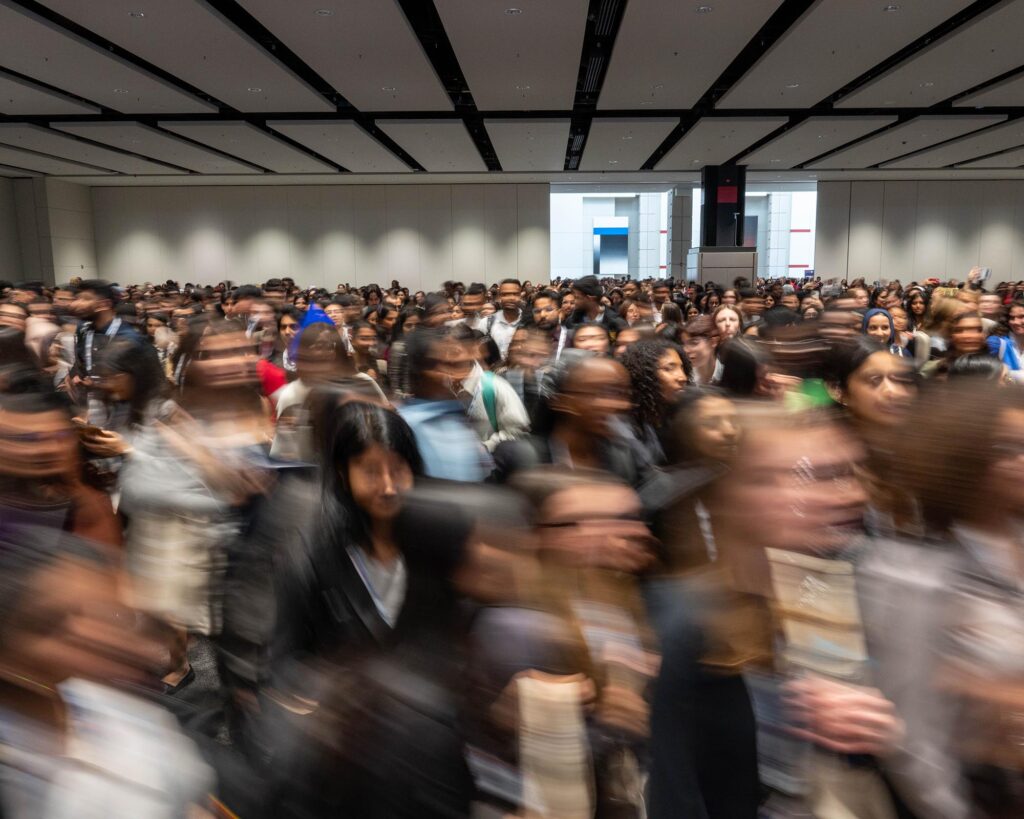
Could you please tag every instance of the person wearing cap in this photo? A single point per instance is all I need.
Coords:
(589, 309)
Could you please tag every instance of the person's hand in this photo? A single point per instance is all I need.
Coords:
(624, 711)
(103, 443)
(847, 719)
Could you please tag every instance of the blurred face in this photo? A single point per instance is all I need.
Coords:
(62, 299)
(967, 335)
(301, 303)
(508, 296)
(1005, 479)
(630, 290)
(545, 313)
(899, 319)
(179, 318)
(568, 304)
(115, 385)
(860, 297)
(387, 320)
(472, 302)
(377, 480)
(36, 445)
(364, 341)
(12, 316)
(699, 349)
(671, 376)
(917, 306)
(880, 391)
(450, 364)
(152, 325)
(591, 337)
(729, 297)
(624, 340)
(1016, 321)
(878, 327)
(528, 351)
(287, 328)
(715, 428)
(335, 313)
(597, 391)
(224, 361)
(989, 306)
(261, 313)
(728, 323)
(661, 294)
(797, 490)
(632, 314)
(754, 306)
(87, 305)
(791, 300)
(838, 324)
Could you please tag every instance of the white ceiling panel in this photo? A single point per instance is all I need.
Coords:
(529, 144)
(716, 140)
(141, 139)
(251, 144)
(365, 49)
(984, 48)
(190, 40)
(46, 164)
(1008, 92)
(1000, 138)
(624, 144)
(833, 43)
(668, 54)
(1007, 159)
(438, 145)
(344, 142)
(43, 140)
(31, 46)
(25, 99)
(812, 137)
(517, 62)
(921, 132)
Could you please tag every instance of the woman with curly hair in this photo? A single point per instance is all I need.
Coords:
(659, 372)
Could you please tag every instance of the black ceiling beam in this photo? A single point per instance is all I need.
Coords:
(774, 27)
(974, 10)
(429, 30)
(604, 17)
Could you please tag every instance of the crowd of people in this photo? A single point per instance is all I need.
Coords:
(590, 548)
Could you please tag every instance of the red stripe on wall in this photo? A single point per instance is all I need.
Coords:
(662, 231)
(662, 267)
(799, 230)
(799, 265)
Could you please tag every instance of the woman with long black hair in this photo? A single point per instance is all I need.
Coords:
(659, 372)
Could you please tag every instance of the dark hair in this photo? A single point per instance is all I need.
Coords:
(290, 312)
(403, 316)
(348, 431)
(742, 366)
(671, 314)
(247, 291)
(641, 361)
(847, 355)
(701, 327)
(419, 351)
(139, 362)
(476, 289)
(100, 288)
(547, 294)
(516, 282)
(976, 365)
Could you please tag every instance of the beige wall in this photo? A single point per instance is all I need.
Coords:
(324, 234)
(55, 230)
(910, 230)
(11, 268)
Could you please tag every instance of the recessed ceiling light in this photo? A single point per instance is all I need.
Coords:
(120, 90)
(891, 7)
(324, 12)
(522, 88)
(888, 102)
(613, 162)
(647, 102)
(703, 9)
(254, 90)
(513, 12)
(627, 136)
(793, 85)
(696, 162)
(658, 87)
(774, 160)
(136, 14)
(388, 88)
(927, 84)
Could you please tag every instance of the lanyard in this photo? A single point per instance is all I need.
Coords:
(89, 334)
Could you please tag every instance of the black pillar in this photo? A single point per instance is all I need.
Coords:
(721, 215)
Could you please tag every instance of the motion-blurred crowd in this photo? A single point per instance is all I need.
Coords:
(586, 548)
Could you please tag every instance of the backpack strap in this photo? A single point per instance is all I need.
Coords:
(489, 398)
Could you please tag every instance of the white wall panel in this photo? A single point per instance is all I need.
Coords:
(832, 234)
(997, 229)
(932, 229)
(899, 220)
(1017, 271)
(964, 247)
(866, 207)
(320, 235)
